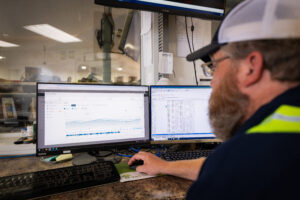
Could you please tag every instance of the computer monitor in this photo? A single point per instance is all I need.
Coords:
(83, 117)
(179, 114)
(208, 9)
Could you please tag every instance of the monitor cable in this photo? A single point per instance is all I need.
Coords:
(187, 36)
(192, 30)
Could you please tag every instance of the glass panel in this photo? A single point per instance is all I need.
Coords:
(62, 41)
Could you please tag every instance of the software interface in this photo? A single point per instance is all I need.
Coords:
(180, 113)
(71, 115)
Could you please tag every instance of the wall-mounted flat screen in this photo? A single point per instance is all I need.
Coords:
(208, 9)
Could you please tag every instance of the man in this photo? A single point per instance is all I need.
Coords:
(254, 107)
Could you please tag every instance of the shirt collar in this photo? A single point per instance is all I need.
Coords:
(289, 97)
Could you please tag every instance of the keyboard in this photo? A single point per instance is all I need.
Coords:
(185, 155)
(41, 183)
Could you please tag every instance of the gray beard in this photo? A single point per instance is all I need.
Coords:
(227, 108)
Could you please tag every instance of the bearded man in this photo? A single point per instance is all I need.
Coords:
(254, 107)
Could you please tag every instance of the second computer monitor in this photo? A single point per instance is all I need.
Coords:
(180, 114)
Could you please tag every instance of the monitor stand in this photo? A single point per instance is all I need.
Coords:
(89, 157)
(83, 158)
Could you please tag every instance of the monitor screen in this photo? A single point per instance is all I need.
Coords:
(180, 114)
(81, 117)
(209, 9)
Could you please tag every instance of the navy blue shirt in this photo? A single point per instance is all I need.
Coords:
(254, 166)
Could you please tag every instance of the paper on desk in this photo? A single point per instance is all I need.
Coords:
(128, 174)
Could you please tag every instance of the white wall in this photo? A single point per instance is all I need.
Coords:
(184, 70)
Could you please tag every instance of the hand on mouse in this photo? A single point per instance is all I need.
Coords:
(153, 165)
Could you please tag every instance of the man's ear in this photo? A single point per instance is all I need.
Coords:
(252, 69)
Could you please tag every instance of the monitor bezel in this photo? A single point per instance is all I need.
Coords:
(90, 147)
(153, 142)
(147, 7)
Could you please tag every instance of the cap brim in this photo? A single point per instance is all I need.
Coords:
(204, 52)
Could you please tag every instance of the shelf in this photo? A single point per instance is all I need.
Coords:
(17, 88)
(17, 93)
(21, 103)
(18, 83)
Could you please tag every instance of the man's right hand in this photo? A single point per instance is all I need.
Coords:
(153, 165)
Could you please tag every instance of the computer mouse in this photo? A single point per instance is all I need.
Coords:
(136, 163)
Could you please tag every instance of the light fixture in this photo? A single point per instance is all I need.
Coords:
(52, 33)
(7, 44)
(2, 57)
(83, 68)
(119, 68)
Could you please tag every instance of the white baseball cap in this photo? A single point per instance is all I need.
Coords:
(254, 20)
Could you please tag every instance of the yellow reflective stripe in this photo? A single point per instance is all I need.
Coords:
(276, 126)
(288, 110)
(286, 119)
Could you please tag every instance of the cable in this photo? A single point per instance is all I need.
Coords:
(193, 47)
(187, 36)
(192, 30)
(124, 155)
(134, 149)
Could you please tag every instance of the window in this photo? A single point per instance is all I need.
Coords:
(62, 41)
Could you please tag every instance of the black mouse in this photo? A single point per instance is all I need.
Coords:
(136, 163)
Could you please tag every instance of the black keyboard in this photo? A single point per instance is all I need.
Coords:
(41, 183)
(185, 155)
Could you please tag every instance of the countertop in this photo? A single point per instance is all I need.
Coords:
(161, 187)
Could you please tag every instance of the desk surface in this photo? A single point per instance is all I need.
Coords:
(8, 148)
(163, 187)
